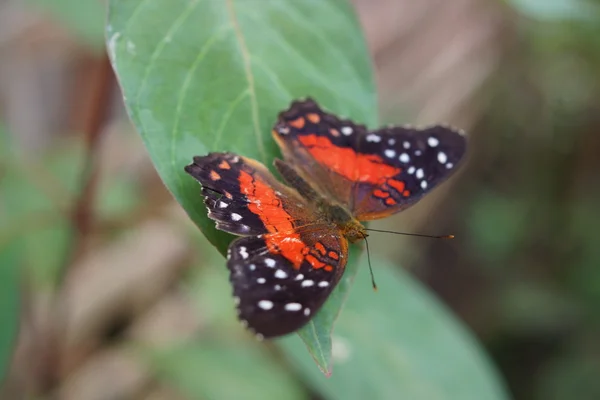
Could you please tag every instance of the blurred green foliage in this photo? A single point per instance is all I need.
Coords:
(85, 18)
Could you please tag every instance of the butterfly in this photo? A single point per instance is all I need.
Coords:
(294, 239)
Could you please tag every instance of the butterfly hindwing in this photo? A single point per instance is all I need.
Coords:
(280, 280)
(416, 160)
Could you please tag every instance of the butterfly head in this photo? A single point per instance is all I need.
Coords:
(354, 231)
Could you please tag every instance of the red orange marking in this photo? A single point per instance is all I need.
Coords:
(380, 193)
(348, 163)
(406, 193)
(314, 261)
(227, 194)
(274, 217)
(390, 201)
(334, 132)
(214, 175)
(313, 117)
(298, 123)
(328, 268)
(333, 255)
(224, 165)
(320, 248)
(398, 185)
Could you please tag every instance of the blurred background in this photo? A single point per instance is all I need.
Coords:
(81, 196)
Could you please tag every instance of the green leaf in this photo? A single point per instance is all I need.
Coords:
(317, 333)
(399, 342)
(200, 76)
(221, 370)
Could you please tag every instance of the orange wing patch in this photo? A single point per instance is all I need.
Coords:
(314, 118)
(281, 239)
(347, 162)
(298, 123)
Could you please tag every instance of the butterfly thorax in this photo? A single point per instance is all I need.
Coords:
(333, 213)
(350, 227)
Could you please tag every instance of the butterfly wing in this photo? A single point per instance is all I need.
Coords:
(244, 198)
(280, 280)
(421, 160)
(375, 173)
(288, 261)
(321, 147)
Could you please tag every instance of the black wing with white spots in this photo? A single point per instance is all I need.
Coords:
(423, 157)
(277, 291)
(239, 192)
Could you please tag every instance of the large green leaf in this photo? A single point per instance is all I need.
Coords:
(203, 75)
(399, 343)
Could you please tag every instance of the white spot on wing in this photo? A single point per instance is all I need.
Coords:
(449, 165)
(222, 204)
(261, 280)
(373, 138)
(391, 141)
(423, 184)
(346, 130)
(307, 311)
(432, 142)
(323, 284)
(420, 174)
(280, 274)
(411, 170)
(269, 262)
(307, 283)
(404, 158)
(293, 307)
(244, 228)
(442, 158)
(236, 216)
(265, 304)
(299, 277)
(243, 252)
(406, 145)
(390, 153)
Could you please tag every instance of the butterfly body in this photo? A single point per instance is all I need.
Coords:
(294, 239)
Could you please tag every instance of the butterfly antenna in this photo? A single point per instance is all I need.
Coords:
(369, 262)
(412, 234)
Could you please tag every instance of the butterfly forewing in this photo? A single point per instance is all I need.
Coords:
(244, 197)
